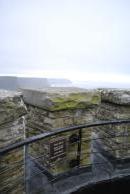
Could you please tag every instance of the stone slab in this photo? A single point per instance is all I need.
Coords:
(54, 99)
(116, 96)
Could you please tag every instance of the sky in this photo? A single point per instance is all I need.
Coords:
(77, 39)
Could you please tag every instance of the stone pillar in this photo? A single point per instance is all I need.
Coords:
(12, 129)
(57, 108)
(115, 139)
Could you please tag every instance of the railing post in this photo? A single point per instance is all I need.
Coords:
(79, 147)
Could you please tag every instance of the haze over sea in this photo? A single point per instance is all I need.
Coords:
(81, 40)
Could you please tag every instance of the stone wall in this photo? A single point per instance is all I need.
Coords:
(56, 108)
(12, 129)
(115, 140)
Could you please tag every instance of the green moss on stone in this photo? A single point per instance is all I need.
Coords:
(75, 101)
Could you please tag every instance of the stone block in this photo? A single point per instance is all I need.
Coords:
(53, 99)
(116, 96)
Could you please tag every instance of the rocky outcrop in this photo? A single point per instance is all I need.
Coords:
(115, 140)
(12, 110)
(56, 108)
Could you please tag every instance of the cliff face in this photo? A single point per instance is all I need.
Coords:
(16, 83)
(8, 83)
(32, 83)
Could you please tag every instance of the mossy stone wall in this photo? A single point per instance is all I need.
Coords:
(56, 108)
(12, 127)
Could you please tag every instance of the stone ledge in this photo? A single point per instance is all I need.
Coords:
(116, 96)
(54, 99)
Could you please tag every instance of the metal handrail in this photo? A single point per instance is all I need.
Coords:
(57, 131)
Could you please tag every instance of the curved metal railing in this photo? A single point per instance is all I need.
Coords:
(101, 165)
(57, 131)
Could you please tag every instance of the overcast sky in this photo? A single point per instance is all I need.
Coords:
(66, 38)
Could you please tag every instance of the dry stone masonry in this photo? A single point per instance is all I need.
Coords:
(114, 140)
(56, 108)
(52, 108)
(12, 129)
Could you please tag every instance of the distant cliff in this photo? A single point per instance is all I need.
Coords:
(32, 83)
(15, 83)
(8, 82)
